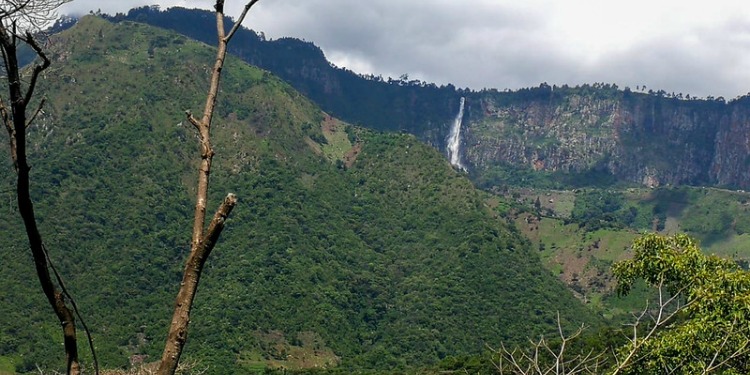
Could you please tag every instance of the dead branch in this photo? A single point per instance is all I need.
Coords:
(203, 241)
(17, 19)
(38, 68)
(29, 15)
(36, 113)
(660, 319)
(193, 269)
(193, 121)
(67, 294)
(238, 22)
(541, 359)
(744, 348)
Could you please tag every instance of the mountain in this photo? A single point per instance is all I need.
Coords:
(551, 136)
(371, 101)
(595, 132)
(349, 248)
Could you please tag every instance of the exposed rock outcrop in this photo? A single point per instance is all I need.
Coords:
(650, 139)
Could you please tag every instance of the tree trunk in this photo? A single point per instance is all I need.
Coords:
(203, 241)
(16, 123)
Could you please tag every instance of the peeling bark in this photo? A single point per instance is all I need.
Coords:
(194, 266)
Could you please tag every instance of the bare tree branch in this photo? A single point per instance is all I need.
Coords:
(36, 113)
(238, 22)
(7, 121)
(541, 359)
(38, 68)
(193, 120)
(662, 318)
(203, 241)
(28, 16)
(191, 277)
(744, 348)
(75, 308)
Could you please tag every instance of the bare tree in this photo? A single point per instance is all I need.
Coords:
(668, 307)
(203, 240)
(19, 20)
(542, 358)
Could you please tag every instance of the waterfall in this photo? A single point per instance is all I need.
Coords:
(454, 138)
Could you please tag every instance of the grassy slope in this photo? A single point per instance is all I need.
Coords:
(379, 256)
(582, 257)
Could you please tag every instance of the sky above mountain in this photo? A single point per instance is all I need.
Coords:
(692, 47)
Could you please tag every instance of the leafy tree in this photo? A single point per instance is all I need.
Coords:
(705, 330)
(698, 324)
(595, 209)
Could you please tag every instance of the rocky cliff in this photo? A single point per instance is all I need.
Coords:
(645, 138)
(648, 138)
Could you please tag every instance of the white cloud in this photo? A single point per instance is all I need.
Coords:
(696, 47)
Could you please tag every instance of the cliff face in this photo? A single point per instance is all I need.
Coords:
(649, 139)
(731, 161)
(646, 138)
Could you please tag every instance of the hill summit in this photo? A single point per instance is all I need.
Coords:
(349, 248)
(553, 136)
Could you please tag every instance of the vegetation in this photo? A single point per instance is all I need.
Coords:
(580, 234)
(392, 104)
(379, 257)
(597, 121)
(718, 217)
(696, 324)
(350, 250)
(502, 176)
(701, 325)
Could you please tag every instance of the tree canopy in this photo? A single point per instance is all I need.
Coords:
(705, 328)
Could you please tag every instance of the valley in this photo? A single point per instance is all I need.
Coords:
(580, 233)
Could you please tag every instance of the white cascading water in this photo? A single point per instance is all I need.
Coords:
(454, 138)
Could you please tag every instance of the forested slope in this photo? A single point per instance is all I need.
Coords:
(348, 248)
(558, 136)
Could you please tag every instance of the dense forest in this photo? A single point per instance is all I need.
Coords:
(349, 247)
(355, 249)
(549, 136)
(393, 104)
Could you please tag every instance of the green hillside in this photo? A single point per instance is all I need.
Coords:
(580, 233)
(348, 249)
(550, 136)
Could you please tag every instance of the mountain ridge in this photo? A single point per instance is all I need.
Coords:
(695, 130)
(362, 249)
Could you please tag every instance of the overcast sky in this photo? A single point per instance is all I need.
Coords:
(694, 47)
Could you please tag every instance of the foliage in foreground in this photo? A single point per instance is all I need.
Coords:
(710, 332)
(697, 325)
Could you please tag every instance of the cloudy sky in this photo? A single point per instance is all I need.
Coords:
(693, 47)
